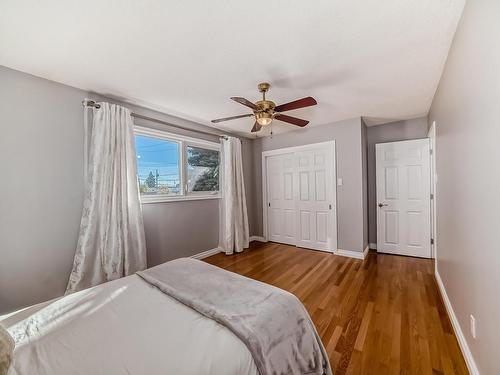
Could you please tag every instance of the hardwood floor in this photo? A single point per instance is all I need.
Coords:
(383, 315)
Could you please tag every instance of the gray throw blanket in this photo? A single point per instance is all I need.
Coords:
(273, 324)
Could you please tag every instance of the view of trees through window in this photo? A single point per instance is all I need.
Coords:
(203, 169)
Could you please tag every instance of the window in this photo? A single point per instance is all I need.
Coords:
(172, 167)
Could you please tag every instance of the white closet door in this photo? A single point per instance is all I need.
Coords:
(314, 198)
(403, 198)
(280, 195)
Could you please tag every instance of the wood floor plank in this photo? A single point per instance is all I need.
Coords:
(381, 315)
(363, 330)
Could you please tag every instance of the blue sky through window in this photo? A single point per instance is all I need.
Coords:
(161, 158)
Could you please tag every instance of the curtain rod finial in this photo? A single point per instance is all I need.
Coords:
(90, 103)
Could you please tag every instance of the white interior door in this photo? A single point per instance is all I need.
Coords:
(314, 198)
(301, 197)
(403, 198)
(281, 201)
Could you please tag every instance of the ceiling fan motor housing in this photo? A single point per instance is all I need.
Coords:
(265, 106)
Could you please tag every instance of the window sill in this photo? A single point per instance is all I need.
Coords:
(180, 198)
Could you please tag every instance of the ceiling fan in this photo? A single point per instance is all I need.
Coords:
(265, 111)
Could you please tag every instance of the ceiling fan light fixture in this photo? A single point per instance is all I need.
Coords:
(263, 118)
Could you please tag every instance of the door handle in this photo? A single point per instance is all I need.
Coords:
(382, 205)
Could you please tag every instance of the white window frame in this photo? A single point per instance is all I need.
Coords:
(183, 142)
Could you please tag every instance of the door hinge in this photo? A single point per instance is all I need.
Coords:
(330, 206)
(431, 151)
(432, 241)
(269, 204)
(432, 196)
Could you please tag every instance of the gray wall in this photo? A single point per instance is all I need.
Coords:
(347, 135)
(179, 229)
(465, 109)
(41, 189)
(41, 169)
(391, 132)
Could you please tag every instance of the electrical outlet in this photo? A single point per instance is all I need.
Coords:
(473, 326)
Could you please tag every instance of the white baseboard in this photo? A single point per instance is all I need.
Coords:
(373, 246)
(209, 253)
(350, 253)
(365, 253)
(257, 238)
(469, 359)
(206, 254)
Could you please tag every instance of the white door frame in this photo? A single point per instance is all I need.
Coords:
(287, 150)
(432, 140)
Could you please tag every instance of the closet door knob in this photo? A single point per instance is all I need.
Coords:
(382, 205)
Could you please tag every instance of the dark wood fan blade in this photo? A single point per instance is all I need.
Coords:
(243, 101)
(301, 103)
(232, 118)
(291, 120)
(256, 127)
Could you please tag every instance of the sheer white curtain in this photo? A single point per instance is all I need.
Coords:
(111, 241)
(233, 222)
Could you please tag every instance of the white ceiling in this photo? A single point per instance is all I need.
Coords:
(372, 58)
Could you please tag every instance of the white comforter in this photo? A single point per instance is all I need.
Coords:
(123, 327)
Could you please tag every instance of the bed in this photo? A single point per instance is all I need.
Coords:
(131, 326)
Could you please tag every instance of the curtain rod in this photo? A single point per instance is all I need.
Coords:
(92, 103)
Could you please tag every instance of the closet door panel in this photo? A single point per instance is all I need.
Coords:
(315, 195)
(281, 199)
